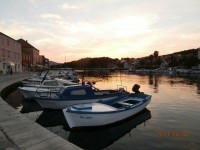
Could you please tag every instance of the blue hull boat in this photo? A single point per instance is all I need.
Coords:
(77, 94)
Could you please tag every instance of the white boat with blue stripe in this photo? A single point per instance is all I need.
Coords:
(105, 113)
(77, 94)
(45, 87)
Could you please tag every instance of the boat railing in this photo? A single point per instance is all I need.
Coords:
(48, 92)
(31, 83)
(121, 88)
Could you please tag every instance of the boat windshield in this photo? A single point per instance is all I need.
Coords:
(62, 89)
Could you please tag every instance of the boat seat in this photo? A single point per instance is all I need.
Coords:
(138, 99)
(125, 104)
(133, 101)
(82, 108)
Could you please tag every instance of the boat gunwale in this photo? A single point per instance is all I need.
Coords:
(146, 100)
(91, 128)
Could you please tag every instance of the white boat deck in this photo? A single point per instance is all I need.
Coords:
(99, 107)
(102, 108)
(93, 107)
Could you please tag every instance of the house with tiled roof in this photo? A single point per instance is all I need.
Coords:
(10, 55)
(30, 55)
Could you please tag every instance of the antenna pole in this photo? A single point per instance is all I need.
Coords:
(65, 62)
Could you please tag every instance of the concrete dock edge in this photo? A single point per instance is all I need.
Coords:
(17, 132)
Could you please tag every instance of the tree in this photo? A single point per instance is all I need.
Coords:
(156, 53)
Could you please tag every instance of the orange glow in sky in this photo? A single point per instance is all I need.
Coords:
(115, 28)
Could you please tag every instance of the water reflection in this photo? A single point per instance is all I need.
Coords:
(94, 75)
(103, 137)
(153, 80)
(198, 87)
(51, 118)
(171, 98)
(30, 106)
(95, 138)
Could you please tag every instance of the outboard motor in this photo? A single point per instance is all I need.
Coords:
(136, 88)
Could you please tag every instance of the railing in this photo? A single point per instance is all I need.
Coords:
(48, 92)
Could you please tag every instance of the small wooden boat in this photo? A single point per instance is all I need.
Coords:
(101, 113)
(92, 138)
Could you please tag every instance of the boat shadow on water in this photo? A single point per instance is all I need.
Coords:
(51, 118)
(29, 106)
(99, 138)
(47, 117)
(88, 138)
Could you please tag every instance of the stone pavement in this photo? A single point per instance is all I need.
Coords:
(17, 132)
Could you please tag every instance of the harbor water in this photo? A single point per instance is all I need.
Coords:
(170, 121)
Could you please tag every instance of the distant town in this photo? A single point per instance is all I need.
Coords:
(19, 56)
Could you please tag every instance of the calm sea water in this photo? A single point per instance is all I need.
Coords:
(171, 120)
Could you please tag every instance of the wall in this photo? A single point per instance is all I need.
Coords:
(10, 54)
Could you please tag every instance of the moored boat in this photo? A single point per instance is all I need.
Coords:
(109, 134)
(77, 94)
(46, 86)
(105, 113)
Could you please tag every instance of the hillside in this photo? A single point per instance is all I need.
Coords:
(186, 58)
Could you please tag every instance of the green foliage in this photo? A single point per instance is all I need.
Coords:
(101, 62)
(186, 58)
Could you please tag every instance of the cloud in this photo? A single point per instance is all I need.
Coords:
(89, 39)
(69, 6)
(122, 28)
(53, 19)
(130, 25)
(15, 29)
(51, 16)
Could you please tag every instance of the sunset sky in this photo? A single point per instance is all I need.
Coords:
(75, 29)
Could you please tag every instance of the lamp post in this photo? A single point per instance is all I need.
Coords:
(199, 57)
(65, 62)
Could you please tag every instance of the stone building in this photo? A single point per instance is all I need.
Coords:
(10, 55)
(42, 60)
(30, 55)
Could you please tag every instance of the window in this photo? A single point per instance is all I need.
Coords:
(23, 56)
(4, 52)
(8, 54)
(15, 55)
(8, 42)
(78, 92)
(2, 41)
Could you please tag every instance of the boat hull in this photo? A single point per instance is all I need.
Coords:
(27, 94)
(30, 92)
(102, 118)
(61, 104)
